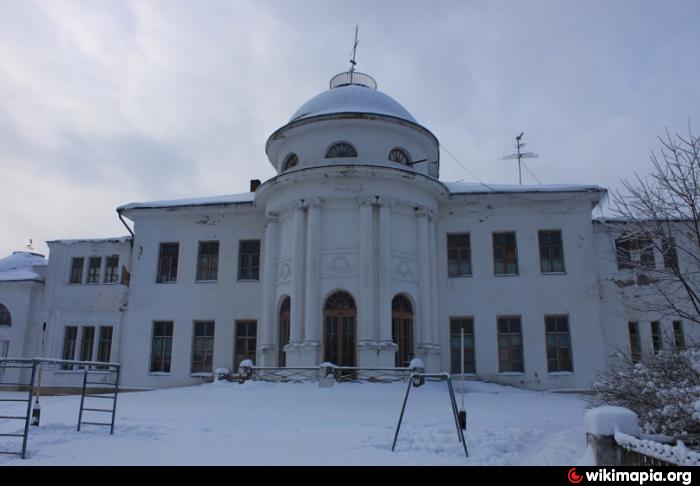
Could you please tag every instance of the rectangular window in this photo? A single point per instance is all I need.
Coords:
(208, 260)
(87, 341)
(510, 344)
(551, 252)
(656, 340)
(505, 254)
(457, 324)
(104, 347)
(167, 262)
(249, 260)
(678, 335)
(459, 256)
(112, 269)
(203, 347)
(558, 343)
(94, 264)
(635, 344)
(4, 353)
(633, 251)
(76, 270)
(670, 255)
(161, 347)
(70, 339)
(246, 333)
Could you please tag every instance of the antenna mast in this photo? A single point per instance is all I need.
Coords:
(353, 63)
(520, 155)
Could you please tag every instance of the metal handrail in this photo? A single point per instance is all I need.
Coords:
(353, 77)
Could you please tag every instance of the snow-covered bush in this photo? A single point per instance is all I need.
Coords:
(664, 391)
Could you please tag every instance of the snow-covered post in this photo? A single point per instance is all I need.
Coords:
(326, 375)
(601, 425)
(245, 370)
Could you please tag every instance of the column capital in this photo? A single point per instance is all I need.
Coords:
(299, 205)
(315, 202)
(272, 218)
(388, 202)
(367, 200)
(423, 211)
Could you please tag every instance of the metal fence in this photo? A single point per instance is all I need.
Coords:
(24, 380)
(341, 374)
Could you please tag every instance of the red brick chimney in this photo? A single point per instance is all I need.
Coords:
(254, 184)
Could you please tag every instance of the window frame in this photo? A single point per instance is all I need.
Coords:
(207, 357)
(159, 264)
(657, 344)
(74, 268)
(151, 358)
(557, 334)
(253, 276)
(113, 276)
(678, 334)
(455, 320)
(510, 346)
(635, 341)
(459, 260)
(69, 356)
(403, 152)
(494, 234)
(5, 316)
(286, 164)
(549, 246)
(209, 267)
(93, 278)
(352, 153)
(101, 340)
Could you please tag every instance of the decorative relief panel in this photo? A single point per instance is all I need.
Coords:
(284, 271)
(404, 267)
(338, 264)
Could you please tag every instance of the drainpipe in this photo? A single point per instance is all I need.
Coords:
(121, 218)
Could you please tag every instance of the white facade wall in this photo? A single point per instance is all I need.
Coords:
(82, 305)
(225, 301)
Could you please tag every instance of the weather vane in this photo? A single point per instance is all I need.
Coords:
(353, 63)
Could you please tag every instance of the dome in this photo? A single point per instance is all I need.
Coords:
(352, 97)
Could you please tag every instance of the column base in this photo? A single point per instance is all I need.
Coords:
(265, 355)
(376, 354)
(430, 355)
(293, 354)
(309, 353)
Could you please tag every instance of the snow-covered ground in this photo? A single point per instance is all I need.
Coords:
(293, 424)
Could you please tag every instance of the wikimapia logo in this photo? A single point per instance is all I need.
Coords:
(638, 477)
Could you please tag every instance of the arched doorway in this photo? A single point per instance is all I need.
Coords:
(285, 309)
(402, 329)
(340, 316)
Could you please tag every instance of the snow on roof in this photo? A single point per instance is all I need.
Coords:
(479, 188)
(352, 99)
(117, 239)
(20, 266)
(242, 198)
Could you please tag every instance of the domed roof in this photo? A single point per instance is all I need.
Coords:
(353, 97)
(21, 265)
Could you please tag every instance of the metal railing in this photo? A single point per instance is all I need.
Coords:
(34, 364)
(353, 77)
(341, 374)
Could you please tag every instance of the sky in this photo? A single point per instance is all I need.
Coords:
(105, 102)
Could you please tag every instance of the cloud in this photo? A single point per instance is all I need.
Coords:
(105, 102)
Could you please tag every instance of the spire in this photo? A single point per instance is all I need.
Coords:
(353, 63)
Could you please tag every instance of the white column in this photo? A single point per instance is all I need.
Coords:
(366, 341)
(424, 281)
(298, 249)
(267, 346)
(435, 324)
(313, 283)
(384, 294)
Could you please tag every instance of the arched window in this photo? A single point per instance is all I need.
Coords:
(402, 329)
(399, 156)
(339, 315)
(285, 310)
(341, 149)
(5, 317)
(291, 161)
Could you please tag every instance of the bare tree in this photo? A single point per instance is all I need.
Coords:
(660, 214)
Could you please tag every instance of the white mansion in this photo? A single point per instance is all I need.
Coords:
(354, 253)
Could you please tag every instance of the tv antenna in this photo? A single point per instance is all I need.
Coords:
(353, 63)
(520, 155)
(30, 246)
